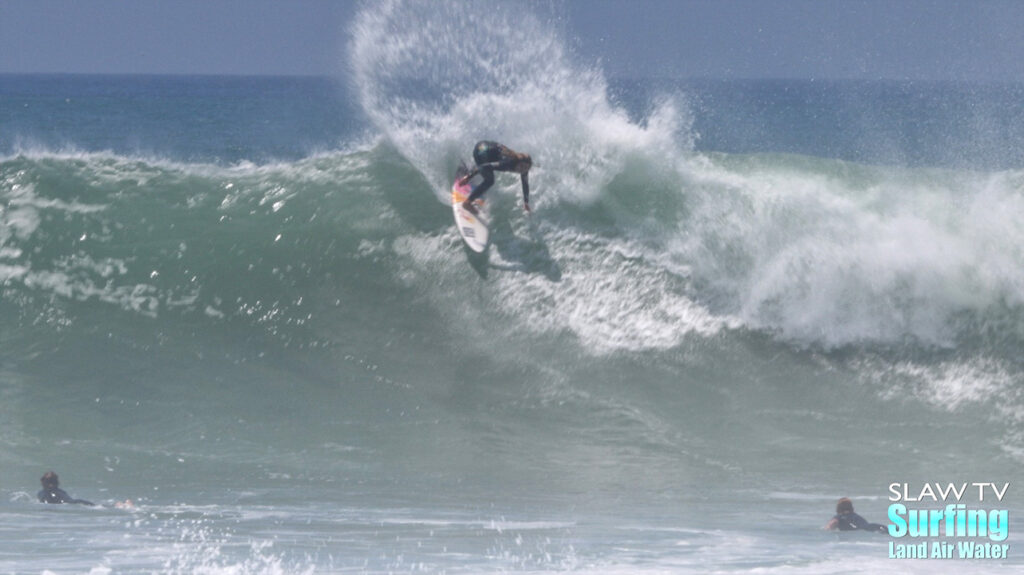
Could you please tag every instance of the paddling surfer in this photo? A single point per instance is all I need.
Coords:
(52, 493)
(846, 520)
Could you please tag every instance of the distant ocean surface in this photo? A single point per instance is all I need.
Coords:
(240, 302)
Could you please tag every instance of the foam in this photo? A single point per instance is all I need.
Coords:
(832, 258)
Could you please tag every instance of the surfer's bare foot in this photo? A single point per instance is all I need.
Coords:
(469, 207)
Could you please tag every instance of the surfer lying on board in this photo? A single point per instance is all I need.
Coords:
(52, 493)
(846, 520)
(491, 157)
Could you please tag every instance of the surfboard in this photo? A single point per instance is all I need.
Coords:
(474, 229)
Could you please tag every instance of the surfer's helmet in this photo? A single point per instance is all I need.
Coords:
(49, 480)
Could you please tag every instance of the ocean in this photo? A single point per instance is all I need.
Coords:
(240, 303)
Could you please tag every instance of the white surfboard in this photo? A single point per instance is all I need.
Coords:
(474, 228)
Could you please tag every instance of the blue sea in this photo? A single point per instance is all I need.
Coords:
(240, 303)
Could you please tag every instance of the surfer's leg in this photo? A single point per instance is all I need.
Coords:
(488, 175)
(478, 191)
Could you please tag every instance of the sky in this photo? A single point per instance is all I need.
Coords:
(963, 40)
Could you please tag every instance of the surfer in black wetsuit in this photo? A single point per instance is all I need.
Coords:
(52, 493)
(492, 157)
(846, 520)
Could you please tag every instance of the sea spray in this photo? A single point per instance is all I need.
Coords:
(435, 78)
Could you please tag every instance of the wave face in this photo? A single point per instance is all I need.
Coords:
(815, 252)
(273, 341)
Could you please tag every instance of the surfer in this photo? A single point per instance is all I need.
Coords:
(52, 493)
(491, 157)
(846, 520)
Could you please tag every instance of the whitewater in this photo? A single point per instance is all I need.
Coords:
(241, 303)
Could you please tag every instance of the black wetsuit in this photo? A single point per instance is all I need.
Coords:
(851, 522)
(491, 157)
(58, 495)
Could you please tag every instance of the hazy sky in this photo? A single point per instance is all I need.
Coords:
(893, 39)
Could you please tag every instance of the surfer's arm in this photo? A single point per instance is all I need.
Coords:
(875, 527)
(468, 176)
(477, 170)
(500, 166)
(506, 165)
(65, 498)
(526, 190)
(60, 496)
(862, 524)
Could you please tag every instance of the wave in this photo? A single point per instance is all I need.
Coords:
(639, 242)
(820, 253)
(348, 255)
